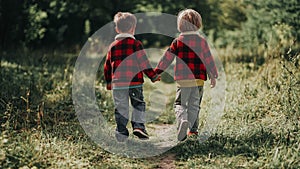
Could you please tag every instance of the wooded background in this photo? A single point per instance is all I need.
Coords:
(256, 41)
(66, 23)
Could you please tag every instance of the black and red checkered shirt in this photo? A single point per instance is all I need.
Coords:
(126, 62)
(193, 61)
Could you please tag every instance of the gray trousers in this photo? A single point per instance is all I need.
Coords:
(187, 106)
(121, 101)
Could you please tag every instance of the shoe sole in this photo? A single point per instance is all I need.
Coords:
(182, 132)
(140, 134)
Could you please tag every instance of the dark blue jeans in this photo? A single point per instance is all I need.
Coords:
(121, 101)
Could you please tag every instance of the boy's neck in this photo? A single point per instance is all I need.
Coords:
(124, 35)
(190, 33)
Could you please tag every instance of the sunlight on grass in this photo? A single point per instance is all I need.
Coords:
(259, 128)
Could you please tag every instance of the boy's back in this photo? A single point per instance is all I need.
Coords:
(126, 62)
(193, 57)
(193, 62)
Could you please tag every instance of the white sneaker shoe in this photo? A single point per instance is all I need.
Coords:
(182, 130)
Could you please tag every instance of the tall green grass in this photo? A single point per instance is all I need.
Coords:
(39, 128)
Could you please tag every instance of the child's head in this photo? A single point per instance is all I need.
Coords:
(125, 22)
(189, 20)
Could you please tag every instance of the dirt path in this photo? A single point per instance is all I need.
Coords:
(165, 139)
(167, 162)
(163, 135)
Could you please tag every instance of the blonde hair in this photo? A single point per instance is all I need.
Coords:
(124, 21)
(189, 20)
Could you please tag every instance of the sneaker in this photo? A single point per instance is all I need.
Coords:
(141, 134)
(181, 135)
(121, 137)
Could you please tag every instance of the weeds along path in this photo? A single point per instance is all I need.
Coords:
(259, 129)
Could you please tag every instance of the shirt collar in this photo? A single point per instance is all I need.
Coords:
(190, 33)
(124, 35)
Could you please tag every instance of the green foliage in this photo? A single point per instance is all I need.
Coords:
(232, 14)
(257, 40)
(260, 127)
(271, 28)
(243, 24)
(36, 79)
(35, 29)
(67, 22)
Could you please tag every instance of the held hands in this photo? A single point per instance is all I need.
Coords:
(108, 85)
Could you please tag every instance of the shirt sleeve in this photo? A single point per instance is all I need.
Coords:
(144, 63)
(108, 68)
(167, 58)
(209, 61)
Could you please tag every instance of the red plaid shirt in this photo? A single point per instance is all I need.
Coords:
(126, 62)
(193, 58)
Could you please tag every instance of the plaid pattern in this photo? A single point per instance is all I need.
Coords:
(193, 58)
(126, 62)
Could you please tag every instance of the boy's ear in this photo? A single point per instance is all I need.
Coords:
(133, 30)
(117, 30)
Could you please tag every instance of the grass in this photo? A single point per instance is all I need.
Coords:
(39, 128)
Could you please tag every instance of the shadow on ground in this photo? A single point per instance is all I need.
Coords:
(220, 145)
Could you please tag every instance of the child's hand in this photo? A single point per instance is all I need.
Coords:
(212, 82)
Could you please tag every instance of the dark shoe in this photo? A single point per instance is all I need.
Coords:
(141, 134)
(121, 137)
(182, 130)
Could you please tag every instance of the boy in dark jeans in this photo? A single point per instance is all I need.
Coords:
(193, 62)
(125, 64)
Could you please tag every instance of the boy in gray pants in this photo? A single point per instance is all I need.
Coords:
(193, 62)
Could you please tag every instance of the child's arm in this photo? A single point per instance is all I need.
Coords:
(210, 64)
(144, 63)
(107, 71)
(167, 58)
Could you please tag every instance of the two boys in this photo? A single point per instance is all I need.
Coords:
(127, 61)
